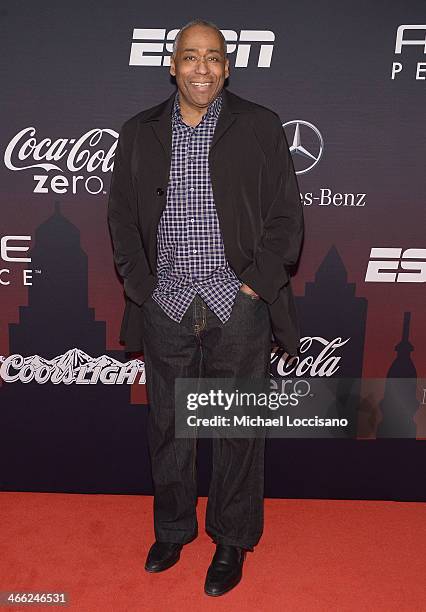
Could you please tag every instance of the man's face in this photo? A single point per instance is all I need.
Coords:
(199, 66)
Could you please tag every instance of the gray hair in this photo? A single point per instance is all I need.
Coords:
(200, 22)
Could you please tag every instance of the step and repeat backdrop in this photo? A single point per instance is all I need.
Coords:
(348, 80)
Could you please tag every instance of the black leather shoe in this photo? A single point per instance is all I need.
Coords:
(225, 571)
(162, 555)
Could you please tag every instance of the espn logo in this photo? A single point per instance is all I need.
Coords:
(391, 259)
(241, 43)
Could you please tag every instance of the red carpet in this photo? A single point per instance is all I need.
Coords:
(314, 555)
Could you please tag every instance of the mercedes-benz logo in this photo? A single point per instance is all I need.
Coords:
(304, 157)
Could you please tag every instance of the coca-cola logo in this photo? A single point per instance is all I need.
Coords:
(92, 153)
(316, 358)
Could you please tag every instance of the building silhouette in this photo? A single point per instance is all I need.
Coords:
(329, 308)
(68, 437)
(57, 317)
(400, 403)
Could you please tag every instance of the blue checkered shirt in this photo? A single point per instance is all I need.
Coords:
(190, 252)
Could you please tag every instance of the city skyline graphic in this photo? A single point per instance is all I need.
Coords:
(91, 437)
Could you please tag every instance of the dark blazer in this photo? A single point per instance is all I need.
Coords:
(256, 196)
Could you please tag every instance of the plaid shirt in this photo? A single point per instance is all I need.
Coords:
(190, 252)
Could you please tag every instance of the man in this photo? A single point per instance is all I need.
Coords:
(206, 219)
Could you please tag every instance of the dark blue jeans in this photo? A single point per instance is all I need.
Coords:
(202, 346)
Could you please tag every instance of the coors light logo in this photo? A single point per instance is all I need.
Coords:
(64, 165)
(74, 366)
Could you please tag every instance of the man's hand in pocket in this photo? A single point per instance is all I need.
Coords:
(246, 289)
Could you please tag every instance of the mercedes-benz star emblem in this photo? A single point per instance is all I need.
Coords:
(304, 157)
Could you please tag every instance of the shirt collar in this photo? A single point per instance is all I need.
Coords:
(213, 109)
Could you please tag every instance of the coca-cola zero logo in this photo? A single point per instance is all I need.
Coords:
(84, 158)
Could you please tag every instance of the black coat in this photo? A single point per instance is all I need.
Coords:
(256, 196)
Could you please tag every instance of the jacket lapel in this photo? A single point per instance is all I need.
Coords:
(225, 120)
(161, 121)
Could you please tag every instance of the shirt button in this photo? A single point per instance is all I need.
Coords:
(192, 220)
(194, 251)
(191, 189)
